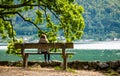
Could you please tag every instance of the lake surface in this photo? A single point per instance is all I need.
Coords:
(96, 51)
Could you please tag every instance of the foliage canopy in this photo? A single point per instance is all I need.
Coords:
(67, 14)
(68, 17)
(101, 19)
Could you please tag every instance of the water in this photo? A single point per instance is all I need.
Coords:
(81, 55)
(95, 51)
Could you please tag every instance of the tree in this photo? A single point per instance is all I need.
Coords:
(68, 16)
(67, 13)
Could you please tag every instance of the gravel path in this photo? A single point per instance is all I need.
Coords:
(38, 71)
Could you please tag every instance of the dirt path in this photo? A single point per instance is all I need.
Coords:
(38, 71)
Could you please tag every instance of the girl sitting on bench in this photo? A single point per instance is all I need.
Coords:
(44, 49)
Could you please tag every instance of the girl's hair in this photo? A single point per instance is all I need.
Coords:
(43, 36)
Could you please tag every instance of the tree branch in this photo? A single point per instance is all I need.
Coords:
(6, 6)
(8, 13)
(28, 21)
(56, 16)
(14, 6)
(51, 11)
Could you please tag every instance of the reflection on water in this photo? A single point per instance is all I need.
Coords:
(99, 45)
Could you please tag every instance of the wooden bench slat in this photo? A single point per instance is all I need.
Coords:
(61, 53)
(39, 45)
(56, 53)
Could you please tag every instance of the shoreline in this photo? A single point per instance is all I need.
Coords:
(115, 65)
(97, 67)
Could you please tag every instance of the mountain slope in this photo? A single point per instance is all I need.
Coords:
(102, 20)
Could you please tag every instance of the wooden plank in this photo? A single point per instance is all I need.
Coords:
(56, 53)
(69, 45)
(17, 45)
(43, 45)
(25, 61)
(64, 57)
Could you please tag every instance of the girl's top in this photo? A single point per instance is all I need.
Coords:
(43, 48)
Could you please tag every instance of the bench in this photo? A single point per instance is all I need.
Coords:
(62, 46)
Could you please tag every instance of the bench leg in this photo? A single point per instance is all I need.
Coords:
(25, 61)
(65, 62)
(64, 58)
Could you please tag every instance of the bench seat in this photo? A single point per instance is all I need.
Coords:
(55, 53)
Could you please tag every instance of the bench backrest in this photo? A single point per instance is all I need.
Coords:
(43, 45)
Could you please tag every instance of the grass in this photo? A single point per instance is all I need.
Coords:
(57, 68)
(68, 69)
(111, 73)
